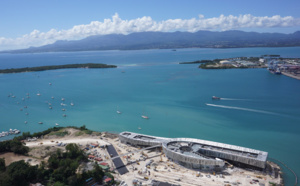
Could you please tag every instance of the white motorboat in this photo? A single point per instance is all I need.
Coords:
(145, 117)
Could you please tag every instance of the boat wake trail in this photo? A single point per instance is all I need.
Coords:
(240, 108)
(235, 99)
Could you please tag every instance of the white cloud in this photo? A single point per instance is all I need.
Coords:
(116, 25)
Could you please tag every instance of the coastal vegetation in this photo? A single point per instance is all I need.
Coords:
(14, 145)
(63, 167)
(26, 135)
(196, 62)
(58, 131)
(84, 130)
(55, 67)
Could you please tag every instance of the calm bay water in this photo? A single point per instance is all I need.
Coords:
(262, 110)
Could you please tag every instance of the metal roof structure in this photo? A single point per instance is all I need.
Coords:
(197, 151)
(121, 168)
(222, 151)
(141, 139)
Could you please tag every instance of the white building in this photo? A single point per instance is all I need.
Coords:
(225, 62)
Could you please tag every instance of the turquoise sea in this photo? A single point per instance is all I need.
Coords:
(261, 110)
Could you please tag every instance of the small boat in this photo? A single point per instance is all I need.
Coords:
(13, 96)
(62, 104)
(145, 117)
(50, 107)
(72, 104)
(64, 115)
(50, 83)
(38, 94)
(26, 113)
(56, 124)
(63, 99)
(52, 97)
(139, 128)
(25, 122)
(216, 98)
(40, 122)
(16, 131)
(63, 109)
(119, 112)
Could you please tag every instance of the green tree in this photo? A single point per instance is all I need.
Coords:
(2, 164)
(58, 184)
(20, 173)
(53, 161)
(98, 173)
(72, 180)
(73, 151)
(83, 127)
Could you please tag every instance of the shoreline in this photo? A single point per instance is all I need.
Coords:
(162, 170)
(55, 67)
(290, 75)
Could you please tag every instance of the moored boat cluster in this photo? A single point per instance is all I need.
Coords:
(10, 132)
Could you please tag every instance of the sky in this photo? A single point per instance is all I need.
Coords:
(39, 22)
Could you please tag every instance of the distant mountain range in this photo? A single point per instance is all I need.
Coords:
(171, 40)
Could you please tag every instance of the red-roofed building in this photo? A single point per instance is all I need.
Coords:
(107, 180)
(104, 164)
(98, 159)
(91, 156)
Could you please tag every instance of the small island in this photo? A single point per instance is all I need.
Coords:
(55, 67)
(197, 62)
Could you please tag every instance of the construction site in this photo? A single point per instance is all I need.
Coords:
(137, 159)
(150, 160)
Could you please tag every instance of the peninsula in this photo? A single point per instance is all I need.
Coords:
(55, 67)
(274, 63)
(237, 62)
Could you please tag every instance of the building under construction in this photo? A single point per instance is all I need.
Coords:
(199, 154)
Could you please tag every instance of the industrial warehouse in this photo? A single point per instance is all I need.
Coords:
(199, 154)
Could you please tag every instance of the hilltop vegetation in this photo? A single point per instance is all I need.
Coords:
(61, 168)
(13, 146)
(171, 40)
